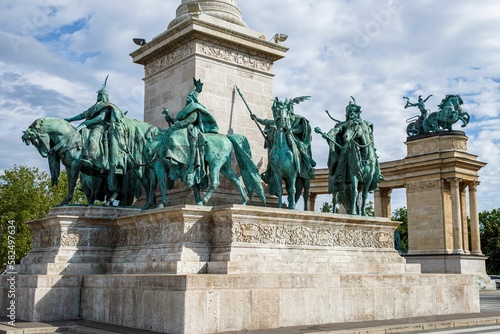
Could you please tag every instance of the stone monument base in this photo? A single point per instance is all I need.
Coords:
(455, 264)
(194, 269)
(217, 303)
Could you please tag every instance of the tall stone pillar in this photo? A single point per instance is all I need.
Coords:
(465, 227)
(474, 219)
(456, 215)
(208, 40)
(435, 172)
(312, 201)
(382, 202)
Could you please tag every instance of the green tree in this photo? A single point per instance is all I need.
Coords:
(401, 215)
(26, 194)
(489, 223)
(328, 207)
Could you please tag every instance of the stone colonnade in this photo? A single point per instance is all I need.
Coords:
(440, 179)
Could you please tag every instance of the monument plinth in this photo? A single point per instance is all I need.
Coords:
(437, 172)
(193, 269)
(213, 44)
(210, 269)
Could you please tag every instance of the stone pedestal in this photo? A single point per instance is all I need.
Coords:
(212, 44)
(437, 172)
(193, 269)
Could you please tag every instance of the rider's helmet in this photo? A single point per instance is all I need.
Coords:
(352, 110)
(102, 94)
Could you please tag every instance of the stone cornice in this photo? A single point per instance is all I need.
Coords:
(206, 30)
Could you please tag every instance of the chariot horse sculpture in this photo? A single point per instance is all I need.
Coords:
(450, 111)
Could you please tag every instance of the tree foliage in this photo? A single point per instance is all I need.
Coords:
(401, 214)
(489, 222)
(26, 194)
(328, 207)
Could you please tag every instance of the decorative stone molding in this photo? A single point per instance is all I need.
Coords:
(438, 142)
(233, 56)
(423, 185)
(221, 9)
(212, 50)
(171, 58)
(292, 235)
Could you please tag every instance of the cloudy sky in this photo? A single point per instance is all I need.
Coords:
(56, 53)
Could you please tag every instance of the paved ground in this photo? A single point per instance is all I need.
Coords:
(487, 321)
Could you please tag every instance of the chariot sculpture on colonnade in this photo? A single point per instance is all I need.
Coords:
(449, 112)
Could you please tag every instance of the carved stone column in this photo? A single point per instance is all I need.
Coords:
(456, 215)
(208, 40)
(312, 201)
(465, 228)
(474, 219)
(382, 204)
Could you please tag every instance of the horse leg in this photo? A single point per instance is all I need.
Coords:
(279, 188)
(197, 194)
(334, 201)
(354, 195)
(306, 195)
(110, 201)
(214, 182)
(228, 172)
(159, 174)
(290, 188)
(150, 189)
(74, 171)
(366, 187)
(299, 187)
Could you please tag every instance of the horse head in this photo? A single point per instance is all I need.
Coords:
(33, 135)
(457, 102)
(353, 130)
(451, 100)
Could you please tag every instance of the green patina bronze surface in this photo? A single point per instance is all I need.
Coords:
(107, 146)
(193, 150)
(449, 112)
(288, 141)
(353, 165)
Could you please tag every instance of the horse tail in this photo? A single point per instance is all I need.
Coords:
(249, 171)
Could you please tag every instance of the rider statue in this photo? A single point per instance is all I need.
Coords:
(298, 136)
(420, 105)
(196, 120)
(99, 120)
(337, 160)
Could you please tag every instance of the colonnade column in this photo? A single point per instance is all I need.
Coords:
(456, 215)
(312, 201)
(474, 219)
(382, 205)
(463, 209)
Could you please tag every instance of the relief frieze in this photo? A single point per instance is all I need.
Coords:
(310, 236)
(234, 56)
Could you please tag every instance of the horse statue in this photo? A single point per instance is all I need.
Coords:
(353, 165)
(165, 166)
(361, 164)
(59, 141)
(285, 162)
(450, 111)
